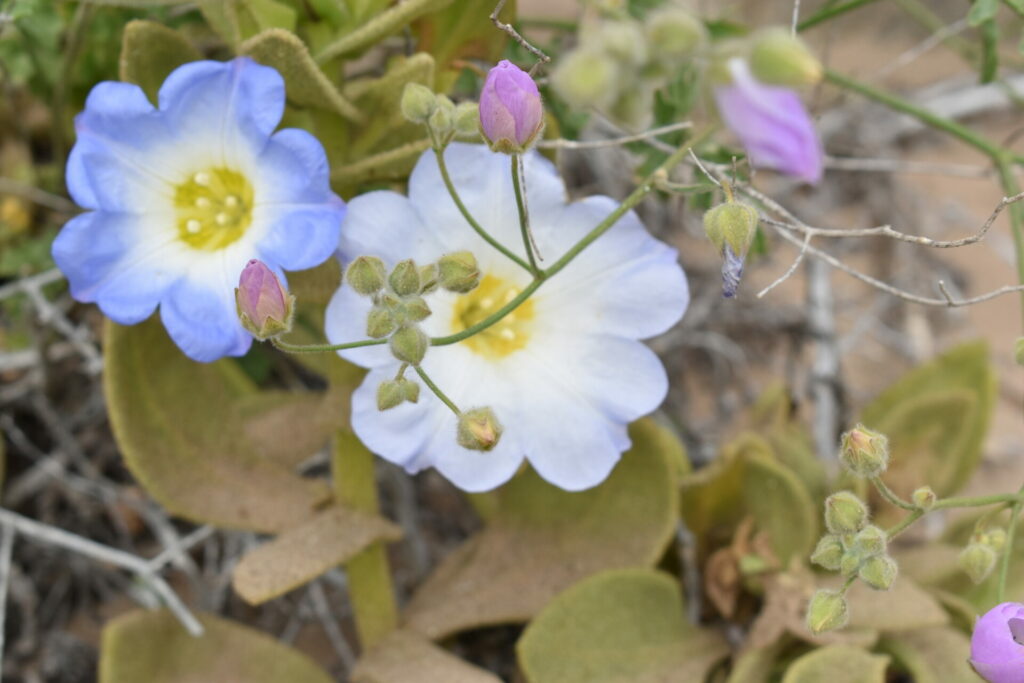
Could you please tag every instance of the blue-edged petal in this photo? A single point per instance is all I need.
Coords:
(292, 169)
(203, 322)
(300, 237)
(233, 106)
(119, 162)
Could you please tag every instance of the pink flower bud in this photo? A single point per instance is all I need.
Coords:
(772, 124)
(997, 645)
(264, 307)
(511, 114)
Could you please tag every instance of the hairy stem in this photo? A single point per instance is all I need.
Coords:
(323, 348)
(1011, 532)
(830, 13)
(890, 495)
(524, 216)
(437, 391)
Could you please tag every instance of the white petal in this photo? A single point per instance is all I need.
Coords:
(398, 434)
(345, 321)
(387, 225)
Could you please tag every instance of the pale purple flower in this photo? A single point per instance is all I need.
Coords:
(264, 305)
(732, 271)
(772, 124)
(997, 646)
(511, 114)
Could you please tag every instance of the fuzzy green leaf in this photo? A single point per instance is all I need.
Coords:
(150, 51)
(184, 437)
(542, 540)
(154, 648)
(617, 626)
(464, 30)
(936, 418)
(933, 655)
(838, 664)
(379, 27)
(405, 657)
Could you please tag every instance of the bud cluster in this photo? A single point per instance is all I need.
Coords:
(445, 119)
(979, 558)
(854, 548)
(399, 306)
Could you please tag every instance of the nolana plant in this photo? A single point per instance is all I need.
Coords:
(371, 195)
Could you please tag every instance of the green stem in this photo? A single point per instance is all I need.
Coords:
(831, 12)
(437, 391)
(439, 153)
(323, 348)
(1011, 533)
(890, 495)
(369, 577)
(631, 201)
(955, 129)
(902, 525)
(1011, 188)
(524, 216)
(977, 501)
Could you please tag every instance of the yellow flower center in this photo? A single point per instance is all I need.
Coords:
(214, 208)
(506, 336)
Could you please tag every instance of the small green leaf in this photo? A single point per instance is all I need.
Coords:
(936, 418)
(301, 554)
(838, 664)
(307, 85)
(381, 26)
(405, 657)
(154, 648)
(756, 665)
(464, 30)
(150, 51)
(982, 11)
(179, 427)
(933, 655)
(780, 506)
(542, 540)
(619, 625)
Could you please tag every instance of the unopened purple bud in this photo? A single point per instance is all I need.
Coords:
(772, 124)
(511, 115)
(264, 306)
(732, 272)
(997, 645)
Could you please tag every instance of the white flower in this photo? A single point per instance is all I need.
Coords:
(564, 373)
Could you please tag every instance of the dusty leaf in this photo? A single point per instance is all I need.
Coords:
(542, 540)
(774, 417)
(755, 665)
(150, 51)
(152, 647)
(933, 655)
(464, 30)
(929, 563)
(936, 418)
(185, 440)
(303, 553)
(904, 607)
(838, 664)
(618, 626)
(307, 85)
(405, 657)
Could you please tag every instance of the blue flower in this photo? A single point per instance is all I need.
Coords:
(181, 196)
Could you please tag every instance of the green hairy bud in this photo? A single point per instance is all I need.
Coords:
(458, 272)
(586, 78)
(675, 34)
(380, 323)
(442, 121)
(828, 553)
(864, 452)
(409, 344)
(415, 309)
(394, 392)
(924, 498)
(428, 278)
(405, 278)
(418, 102)
(878, 572)
(366, 275)
(977, 560)
(479, 429)
(850, 563)
(622, 39)
(779, 57)
(994, 538)
(731, 223)
(870, 541)
(467, 120)
(845, 513)
(827, 611)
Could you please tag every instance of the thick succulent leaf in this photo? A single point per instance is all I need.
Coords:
(936, 418)
(756, 665)
(307, 85)
(405, 657)
(541, 540)
(933, 655)
(152, 647)
(618, 626)
(188, 443)
(774, 417)
(747, 480)
(150, 51)
(379, 27)
(838, 664)
(904, 607)
(299, 555)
